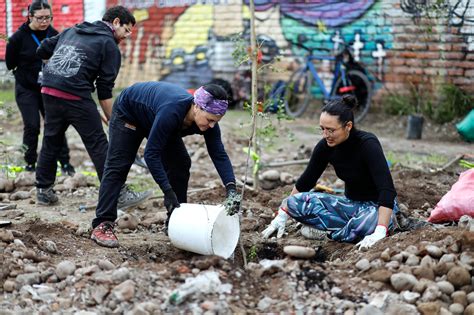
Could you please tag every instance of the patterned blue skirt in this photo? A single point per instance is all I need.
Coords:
(346, 220)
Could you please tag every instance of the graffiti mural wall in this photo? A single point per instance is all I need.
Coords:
(190, 42)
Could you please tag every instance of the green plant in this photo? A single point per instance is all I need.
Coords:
(405, 103)
(452, 103)
(252, 255)
(441, 104)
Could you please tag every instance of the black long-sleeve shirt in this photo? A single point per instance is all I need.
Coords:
(359, 162)
(159, 108)
(20, 55)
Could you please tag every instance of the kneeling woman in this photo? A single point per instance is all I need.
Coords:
(365, 212)
(163, 113)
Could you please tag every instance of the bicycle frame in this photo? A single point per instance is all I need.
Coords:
(338, 68)
(348, 78)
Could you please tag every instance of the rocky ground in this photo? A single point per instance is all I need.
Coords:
(49, 265)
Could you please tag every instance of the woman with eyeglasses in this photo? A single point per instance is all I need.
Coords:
(26, 65)
(364, 214)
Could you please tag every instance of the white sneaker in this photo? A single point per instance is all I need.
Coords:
(313, 233)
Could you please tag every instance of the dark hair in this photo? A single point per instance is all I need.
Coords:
(217, 91)
(120, 12)
(342, 107)
(227, 87)
(37, 5)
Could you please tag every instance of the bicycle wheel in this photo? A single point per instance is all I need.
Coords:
(358, 85)
(298, 92)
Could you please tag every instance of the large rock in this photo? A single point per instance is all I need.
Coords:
(382, 275)
(299, 251)
(6, 236)
(459, 276)
(445, 287)
(64, 269)
(287, 178)
(127, 221)
(25, 179)
(459, 297)
(403, 281)
(6, 185)
(271, 175)
(467, 241)
(9, 286)
(78, 180)
(432, 293)
(424, 272)
(410, 297)
(20, 195)
(469, 310)
(28, 279)
(429, 308)
(125, 291)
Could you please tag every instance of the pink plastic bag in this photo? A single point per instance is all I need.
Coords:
(457, 202)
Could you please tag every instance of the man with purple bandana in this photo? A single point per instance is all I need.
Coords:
(163, 113)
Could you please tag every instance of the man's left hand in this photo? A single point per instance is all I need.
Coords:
(369, 240)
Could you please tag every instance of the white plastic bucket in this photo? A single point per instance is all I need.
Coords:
(204, 229)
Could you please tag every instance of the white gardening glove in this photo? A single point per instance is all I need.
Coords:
(369, 240)
(278, 223)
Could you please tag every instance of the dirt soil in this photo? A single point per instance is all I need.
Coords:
(416, 172)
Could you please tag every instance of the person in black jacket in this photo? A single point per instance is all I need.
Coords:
(21, 57)
(163, 113)
(365, 211)
(79, 58)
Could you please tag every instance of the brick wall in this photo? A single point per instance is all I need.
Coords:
(188, 43)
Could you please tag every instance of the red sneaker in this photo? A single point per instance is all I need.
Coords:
(104, 235)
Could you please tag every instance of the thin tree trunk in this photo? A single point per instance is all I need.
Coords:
(253, 58)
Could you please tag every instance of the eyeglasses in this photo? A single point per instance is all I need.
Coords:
(127, 30)
(46, 18)
(329, 131)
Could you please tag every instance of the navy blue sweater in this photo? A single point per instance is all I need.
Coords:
(359, 162)
(159, 108)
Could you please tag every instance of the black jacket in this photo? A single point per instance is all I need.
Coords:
(21, 55)
(80, 56)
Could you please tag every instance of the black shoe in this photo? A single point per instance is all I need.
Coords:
(67, 169)
(30, 168)
(46, 196)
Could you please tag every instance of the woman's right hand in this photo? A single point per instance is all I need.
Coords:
(278, 224)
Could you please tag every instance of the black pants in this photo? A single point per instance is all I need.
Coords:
(85, 118)
(31, 107)
(125, 140)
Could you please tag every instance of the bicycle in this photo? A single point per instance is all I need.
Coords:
(349, 77)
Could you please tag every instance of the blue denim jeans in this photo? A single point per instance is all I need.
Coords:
(346, 220)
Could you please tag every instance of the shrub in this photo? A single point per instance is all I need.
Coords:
(445, 104)
(452, 103)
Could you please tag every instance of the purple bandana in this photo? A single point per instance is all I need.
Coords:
(208, 103)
